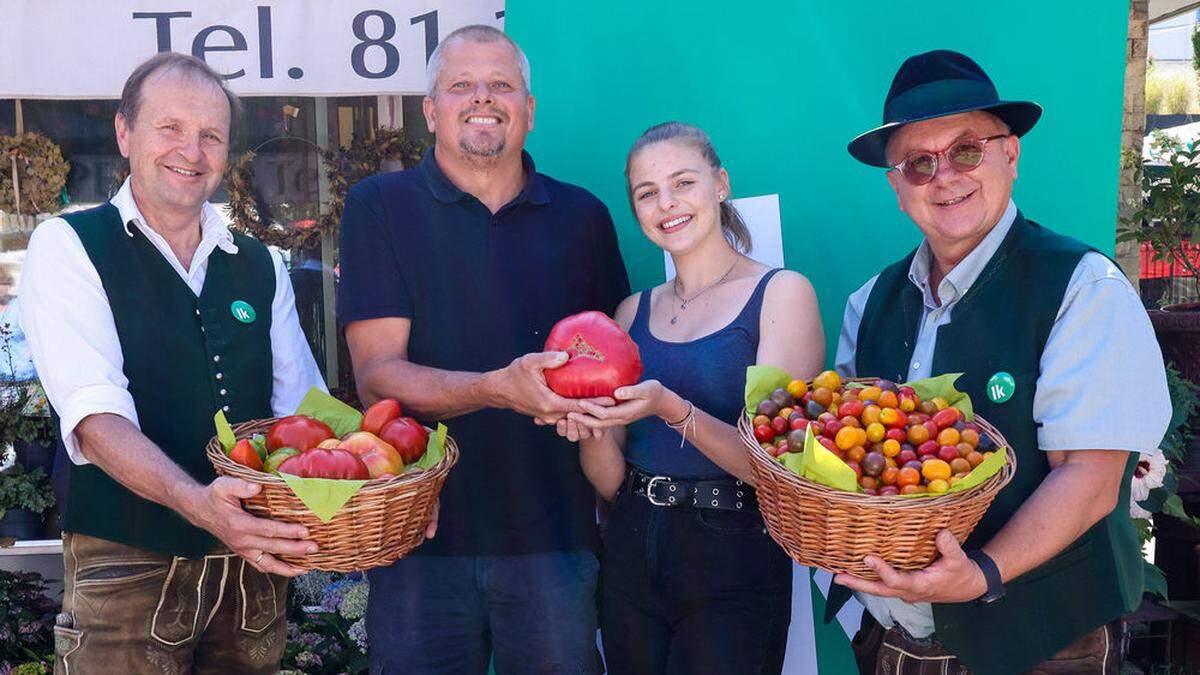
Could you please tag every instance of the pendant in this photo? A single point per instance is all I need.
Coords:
(674, 319)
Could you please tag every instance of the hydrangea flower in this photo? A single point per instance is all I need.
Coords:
(354, 603)
(358, 633)
(307, 659)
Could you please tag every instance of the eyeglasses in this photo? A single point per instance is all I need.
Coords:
(919, 167)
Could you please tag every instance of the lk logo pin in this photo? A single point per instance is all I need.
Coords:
(1001, 387)
(242, 311)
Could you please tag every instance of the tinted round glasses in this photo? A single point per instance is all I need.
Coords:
(920, 166)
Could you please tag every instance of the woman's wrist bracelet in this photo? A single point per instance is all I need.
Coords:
(682, 425)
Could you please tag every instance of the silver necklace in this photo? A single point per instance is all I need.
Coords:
(683, 302)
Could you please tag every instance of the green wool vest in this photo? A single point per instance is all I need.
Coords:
(1002, 324)
(185, 357)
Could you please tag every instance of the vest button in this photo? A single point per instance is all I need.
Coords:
(219, 376)
(197, 312)
(225, 408)
(223, 392)
(216, 358)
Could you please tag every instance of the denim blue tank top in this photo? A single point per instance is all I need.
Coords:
(709, 371)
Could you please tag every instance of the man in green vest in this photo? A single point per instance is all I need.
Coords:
(1055, 350)
(145, 316)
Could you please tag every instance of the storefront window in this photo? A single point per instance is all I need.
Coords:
(84, 131)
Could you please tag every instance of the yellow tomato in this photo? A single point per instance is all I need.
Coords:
(829, 379)
(797, 388)
(875, 432)
(935, 469)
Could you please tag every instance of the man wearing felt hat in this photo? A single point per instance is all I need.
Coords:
(1053, 344)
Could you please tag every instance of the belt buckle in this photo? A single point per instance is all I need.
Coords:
(650, 490)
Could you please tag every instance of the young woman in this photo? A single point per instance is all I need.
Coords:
(690, 582)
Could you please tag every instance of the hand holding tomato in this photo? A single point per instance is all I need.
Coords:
(521, 386)
(633, 403)
(217, 508)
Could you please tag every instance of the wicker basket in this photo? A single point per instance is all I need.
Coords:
(382, 521)
(824, 527)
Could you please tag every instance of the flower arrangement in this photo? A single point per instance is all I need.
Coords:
(326, 624)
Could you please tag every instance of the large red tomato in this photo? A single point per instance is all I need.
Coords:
(602, 356)
(326, 463)
(297, 431)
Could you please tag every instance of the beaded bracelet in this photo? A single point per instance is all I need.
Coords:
(682, 425)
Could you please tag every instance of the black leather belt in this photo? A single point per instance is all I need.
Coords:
(726, 494)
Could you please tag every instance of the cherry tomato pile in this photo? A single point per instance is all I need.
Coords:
(895, 442)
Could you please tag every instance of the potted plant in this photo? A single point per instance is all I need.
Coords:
(1168, 222)
(26, 623)
(24, 497)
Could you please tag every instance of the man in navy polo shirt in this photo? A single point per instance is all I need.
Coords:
(453, 273)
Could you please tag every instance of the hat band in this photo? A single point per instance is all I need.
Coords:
(940, 96)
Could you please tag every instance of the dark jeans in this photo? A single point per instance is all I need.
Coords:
(454, 614)
(691, 591)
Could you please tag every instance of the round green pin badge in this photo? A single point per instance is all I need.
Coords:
(242, 311)
(1000, 387)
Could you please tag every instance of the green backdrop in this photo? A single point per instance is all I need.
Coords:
(783, 86)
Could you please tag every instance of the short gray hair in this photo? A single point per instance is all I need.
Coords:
(473, 33)
(131, 94)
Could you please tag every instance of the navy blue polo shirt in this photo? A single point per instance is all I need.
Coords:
(482, 289)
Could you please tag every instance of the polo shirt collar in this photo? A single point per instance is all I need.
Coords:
(956, 284)
(212, 225)
(444, 190)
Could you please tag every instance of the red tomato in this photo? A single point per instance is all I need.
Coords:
(380, 414)
(407, 436)
(244, 453)
(326, 463)
(297, 431)
(764, 433)
(602, 356)
(946, 417)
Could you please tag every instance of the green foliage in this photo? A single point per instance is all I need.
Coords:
(1196, 50)
(1185, 403)
(1156, 581)
(26, 622)
(20, 489)
(1169, 216)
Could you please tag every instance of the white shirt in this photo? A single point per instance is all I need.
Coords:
(73, 337)
(1101, 343)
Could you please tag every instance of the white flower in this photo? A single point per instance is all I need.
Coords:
(1148, 475)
